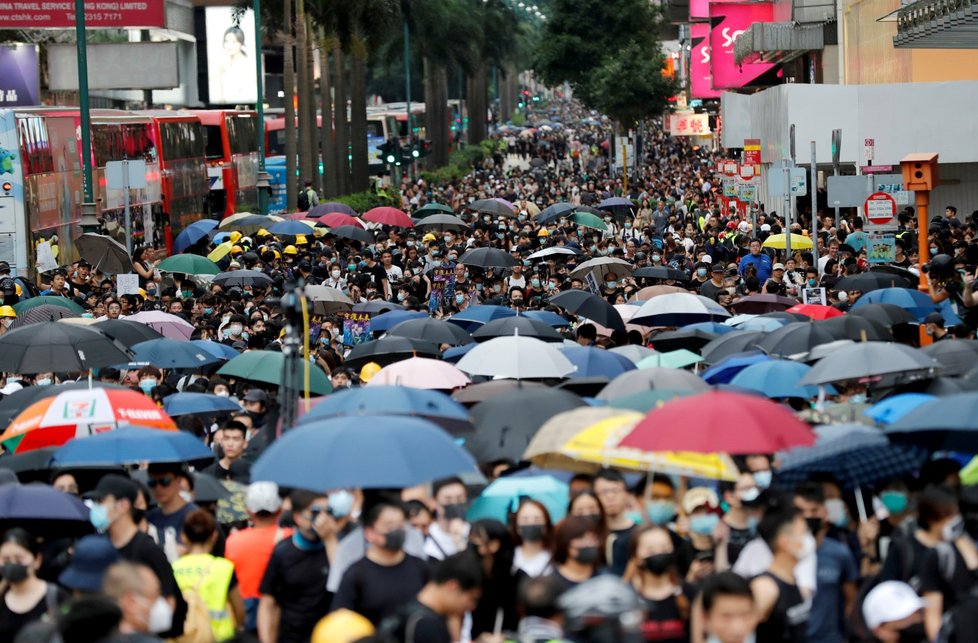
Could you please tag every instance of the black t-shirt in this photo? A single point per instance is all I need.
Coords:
(664, 621)
(955, 589)
(417, 623)
(240, 471)
(737, 541)
(789, 616)
(376, 591)
(619, 549)
(143, 549)
(296, 579)
(12, 622)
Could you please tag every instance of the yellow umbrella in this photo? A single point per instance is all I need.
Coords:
(220, 251)
(798, 242)
(599, 444)
(544, 449)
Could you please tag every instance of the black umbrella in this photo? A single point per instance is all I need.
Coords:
(242, 278)
(353, 232)
(60, 348)
(388, 350)
(35, 466)
(492, 206)
(488, 258)
(856, 328)
(442, 222)
(905, 274)
(586, 304)
(731, 344)
(207, 488)
(105, 253)
(693, 339)
(376, 307)
(554, 212)
(13, 404)
(436, 331)
(869, 281)
(795, 338)
(886, 314)
(475, 393)
(125, 332)
(506, 423)
(524, 326)
(762, 304)
(42, 313)
(956, 356)
(661, 272)
(43, 511)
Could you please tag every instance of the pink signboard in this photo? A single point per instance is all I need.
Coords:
(727, 22)
(701, 83)
(699, 10)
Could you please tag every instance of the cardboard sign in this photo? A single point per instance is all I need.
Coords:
(814, 296)
(127, 284)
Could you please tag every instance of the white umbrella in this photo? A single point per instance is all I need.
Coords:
(550, 252)
(421, 372)
(602, 266)
(516, 358)
(678, 309)
(633, 352)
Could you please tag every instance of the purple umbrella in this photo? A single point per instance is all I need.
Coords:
(164, 323)
(332, 206)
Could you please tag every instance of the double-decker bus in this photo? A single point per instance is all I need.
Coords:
(231, 151)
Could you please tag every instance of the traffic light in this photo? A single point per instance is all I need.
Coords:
(390, 151)
(424, 147)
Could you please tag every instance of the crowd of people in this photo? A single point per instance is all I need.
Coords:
(630, 558)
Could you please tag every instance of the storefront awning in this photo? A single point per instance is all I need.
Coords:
(938, 24)
(777, 42)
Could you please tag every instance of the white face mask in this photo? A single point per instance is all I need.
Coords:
(808, 547)
(160, 616)
(335, 274)
(43, 381)
(223, 393)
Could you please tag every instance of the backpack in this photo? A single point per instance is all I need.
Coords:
(303, 201)
(197, 625)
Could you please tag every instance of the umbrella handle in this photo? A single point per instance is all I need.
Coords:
(860, 504)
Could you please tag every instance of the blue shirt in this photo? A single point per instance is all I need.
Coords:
(763, 264)
(857, 240)
(835, 566)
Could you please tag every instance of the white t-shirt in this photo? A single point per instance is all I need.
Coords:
(534, 566)
(756, 557)
(439, 545)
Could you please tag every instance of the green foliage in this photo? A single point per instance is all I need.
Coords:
(460, 162)
(629, 87)
(363, 201)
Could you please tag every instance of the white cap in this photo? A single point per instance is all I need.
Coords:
(262, 496)
(744, 226)
(890, 601)
(707, 259)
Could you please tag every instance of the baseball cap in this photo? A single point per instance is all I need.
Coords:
(4, 266)
(699, 496)
(262, 496)
(119, 487)
(765, 227)
(890, 601)
(256, 395)
(934, 318)
(707, 259)
(92, 556)
(778, 266)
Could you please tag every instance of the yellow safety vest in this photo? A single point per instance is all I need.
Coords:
(213, 589)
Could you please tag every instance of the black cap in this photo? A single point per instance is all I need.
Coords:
(4, 267)
(934, 318)
(115, 485)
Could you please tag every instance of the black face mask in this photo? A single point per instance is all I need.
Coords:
(594, 518)
(814, 525)
(14, 572)
(913, 634)
(531, 533)
(659, 564)
(587, 555)
(394, 540)
(453, 511)
(137, 515)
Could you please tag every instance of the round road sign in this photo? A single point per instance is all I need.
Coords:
(880, 208)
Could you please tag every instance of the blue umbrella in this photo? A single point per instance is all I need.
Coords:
(547, 317)
(386, 452)
(456, 353)
(895, 407)
(917, 303)
(775, 379)
(596, 362)
(433, 406)
(616, 202)
(726, 369)
(290, 228)
(854, 454)
(198, 404)
(131, 445)
(946, 424)
(217, 349)
(554, 212)
(170, 353)
(220, 236)
(474, 317)
(192, 234)
(42, 510)
(711, 327)
(385, 321)
(503, 496)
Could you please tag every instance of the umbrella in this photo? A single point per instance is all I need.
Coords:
(857, 329)
(895, 407)
(945, 424)
(649, 292)
(442, 223)
(713, 328)
(868, 281)
(475, 393)
(544, 449)
(387, 452)
(474, 317)
(795, 338)
(376, 307)
(869, 359)
(589, 305)
(730, 344)
(651, 378)
(427, 329)
(587, 220)
(331, 206)
(775, 379)
(387, 350)
(432, 406)
(22, 307)
(207, 488)
(247, 222)
(522, 326)
(956, 356)
(456, 353)
(755, 322)
(387, 215)
(127, 333)
(645, 401)
(661, 272)
(680, 358)
(43, 510)
(74, 413)
(390, 319)
(552, 252)
(172, 353)
(886, 314)
(327, 300)
(596, 362)
(615, 202)
(217, 349)
(290, 228)
(42, 313)
(339, 219)
(548, 317)
(193, 233)
(678, 309)
(502, 497)
(132, 445)
(914, 302)
(421, 373)
(503, 433)
(815, 311)
(720, 422)
(632, 352)
(104, 253)
(354, 233)
(198, 404)
(855, 455)
(798, 242)
(429, 209)
(516, 357)
(493, 207)
(488, 258)
(266, 367)
(189, 265)
(554, 212)
(688, 338)
(601, 266)
(242, 278)
(163, 323)
(758, 304)
(61, 348)
(730, 366)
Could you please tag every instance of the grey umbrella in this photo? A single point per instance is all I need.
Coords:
(60, 348)
(436, 331)
(957, 356)
(442, 222)
(104, 253)
(242, 278)
(491, 206)
(326, 300)
(647, 379)
(43, 313)
(869, 359)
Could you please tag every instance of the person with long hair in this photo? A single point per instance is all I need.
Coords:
(25, 597)
(577, 553)
(533, 532)
(491, 541)
(653, 570)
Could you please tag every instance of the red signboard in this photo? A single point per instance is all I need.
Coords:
(752, 151)
(99, 14)
(880, 208)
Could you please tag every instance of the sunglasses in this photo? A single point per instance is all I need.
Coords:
(165, 481)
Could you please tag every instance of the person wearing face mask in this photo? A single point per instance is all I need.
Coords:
(44, 379)
(493, 545)
(577, 554)
(533, 532)
(701, 508)
(611, 490)
(653, 573)
(782, 612)
(739, 521)
(449, 532)
(149, 378)
(27, 597)
(893, 613)
(759, 466)
(146, 616)
(910, 545)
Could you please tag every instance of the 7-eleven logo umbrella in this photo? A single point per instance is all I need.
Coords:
(79, 413)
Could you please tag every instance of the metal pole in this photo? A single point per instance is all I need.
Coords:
(787, 209)
(127, 214)
(264, 179)
(407, 91)
(811, 188)
(88, 221)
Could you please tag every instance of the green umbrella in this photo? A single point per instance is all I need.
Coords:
(266, 367)
(680, 358)
(189, 265)
(54, 300)
(587, 220)
(432, 208)
(647, 400)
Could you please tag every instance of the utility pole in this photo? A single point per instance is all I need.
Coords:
(264, 182)
(811, 188)
(88, 221)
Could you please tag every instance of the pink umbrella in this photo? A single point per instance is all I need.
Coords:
(421, 372)
(164, 323)
(337, 219)
(389, 216)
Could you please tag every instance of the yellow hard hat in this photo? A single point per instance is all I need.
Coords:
(263, 233)
(368, 371)
(7, 311)
(543, 232)
(142, 293)
(236, 250)
(300, 240)
(290, 250)
(278, 255)
(235, 235)
(342, 626)
(428, 237)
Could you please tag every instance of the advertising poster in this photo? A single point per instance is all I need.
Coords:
(442, 287)
(231, 51)
(881, 248)
(20, 82)
(356, 328)
(701, 82)
(727, 22)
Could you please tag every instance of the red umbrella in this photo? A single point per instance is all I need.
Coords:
(389, 216)
(720, 422)
(337, 219)
(815, 311)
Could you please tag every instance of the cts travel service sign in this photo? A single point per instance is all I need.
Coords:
(60, 14)
(727, 22)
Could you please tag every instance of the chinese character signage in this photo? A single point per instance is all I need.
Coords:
(356, 328)
(728, 21)
(19, 82)
(103, 14)
(689, 124)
